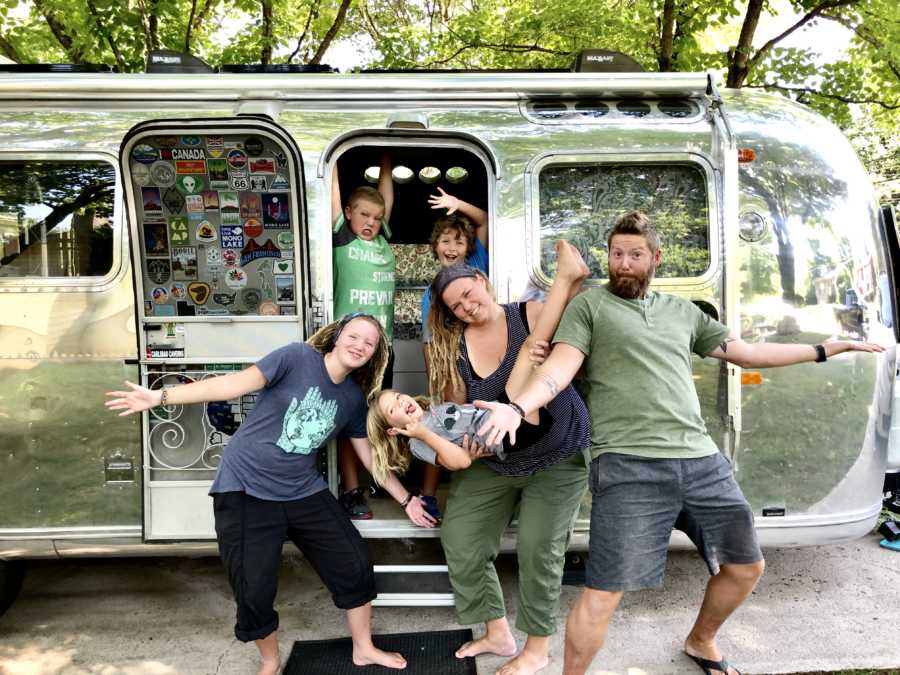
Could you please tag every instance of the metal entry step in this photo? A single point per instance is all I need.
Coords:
(412, 586)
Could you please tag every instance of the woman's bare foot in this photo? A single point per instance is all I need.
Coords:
(526, 663)
(499, 642)
(269, 666)
(373, 656)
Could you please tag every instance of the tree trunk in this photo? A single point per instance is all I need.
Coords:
(329, 36)
(73, 52)
(667, 37)
(265, 56)
(739, 56)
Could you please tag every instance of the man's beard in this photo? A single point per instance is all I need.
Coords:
(630, 287)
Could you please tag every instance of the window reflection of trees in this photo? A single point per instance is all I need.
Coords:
(56, 218)
(581, 203)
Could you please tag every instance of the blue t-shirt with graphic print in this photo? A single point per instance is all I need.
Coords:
(273, 454)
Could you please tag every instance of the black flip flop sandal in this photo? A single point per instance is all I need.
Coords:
(711, 666)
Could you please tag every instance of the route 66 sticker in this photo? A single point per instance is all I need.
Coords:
(240, 182)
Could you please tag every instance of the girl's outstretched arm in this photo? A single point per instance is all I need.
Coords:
(222, 388)
(571, 271)
(449, 455)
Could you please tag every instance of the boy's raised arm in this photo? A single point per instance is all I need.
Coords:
(479, 217)
(386, 185)
(336, 207)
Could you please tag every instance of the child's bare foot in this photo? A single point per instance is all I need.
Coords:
(269, 666)
(501, 643)
(526, 663)
(373, 656)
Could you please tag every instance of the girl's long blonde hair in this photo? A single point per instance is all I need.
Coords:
(369, 375)
(390, 453)
(443, 350)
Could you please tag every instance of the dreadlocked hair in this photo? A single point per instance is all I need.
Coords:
(443, 350)
(369, 375)
(390, 453)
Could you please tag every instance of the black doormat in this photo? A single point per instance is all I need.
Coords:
(426, 653)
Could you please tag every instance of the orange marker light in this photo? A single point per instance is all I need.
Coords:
(746, 155)
(751, 377)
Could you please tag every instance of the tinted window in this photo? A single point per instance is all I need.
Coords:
(56, 218)
(581, 203)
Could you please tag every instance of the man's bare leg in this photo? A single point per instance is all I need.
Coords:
(534, 657)
(364, 652)
(270, 659)
(586, 628)
(724, 593)
(497, 639)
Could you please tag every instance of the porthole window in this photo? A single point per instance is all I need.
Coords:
(456, 174)
(403, 174)
(429, 174)
(549, 109)
(633, 108)
(676, 109)
(592, 108)
(372, 174)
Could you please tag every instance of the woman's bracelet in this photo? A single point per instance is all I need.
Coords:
(164, 396)
(515, 406)
(405, 502)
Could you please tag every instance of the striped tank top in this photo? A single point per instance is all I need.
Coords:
(571, 426)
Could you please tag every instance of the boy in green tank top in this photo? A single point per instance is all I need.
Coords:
(363, 271)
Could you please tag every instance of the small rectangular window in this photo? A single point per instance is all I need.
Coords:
(580, 202)
(56, 218)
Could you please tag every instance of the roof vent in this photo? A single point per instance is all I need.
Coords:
(604, 61)
(169, 62)
(276, 68)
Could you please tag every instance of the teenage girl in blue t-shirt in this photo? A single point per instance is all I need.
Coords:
(267, 487)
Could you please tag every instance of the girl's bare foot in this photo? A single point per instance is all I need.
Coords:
(373, 656)
(269, 666)
(501, 643)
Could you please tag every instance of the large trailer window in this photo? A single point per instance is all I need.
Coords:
(581, 202)
(56, 218)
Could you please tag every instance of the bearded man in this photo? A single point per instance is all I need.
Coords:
(654, 465)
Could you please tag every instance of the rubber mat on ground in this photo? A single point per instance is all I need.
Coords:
(426, 653)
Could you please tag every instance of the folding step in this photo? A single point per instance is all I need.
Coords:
(412, 586)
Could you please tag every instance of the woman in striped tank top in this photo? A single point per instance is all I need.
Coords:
(474, 346)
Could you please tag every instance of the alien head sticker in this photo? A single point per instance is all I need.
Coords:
(190, 185)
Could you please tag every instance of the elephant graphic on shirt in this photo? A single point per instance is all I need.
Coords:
(308, 423)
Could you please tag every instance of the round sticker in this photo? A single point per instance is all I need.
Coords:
(140, 174)
(178, 291)
(235, 278)
(269, 308)
(251, 297)
(237, 159)
(230, 257)
(145, 154)
(162, 173)
(285, 239)
(253, 145)
(213, 256)
(206, 233)
(158, 271)
(252, 227)
(160, 295)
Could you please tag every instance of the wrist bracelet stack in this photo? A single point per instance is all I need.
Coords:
(405, 502)
(515, 406)
(163, 397)
(821, 356)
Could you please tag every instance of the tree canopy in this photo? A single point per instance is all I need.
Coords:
(663, 35)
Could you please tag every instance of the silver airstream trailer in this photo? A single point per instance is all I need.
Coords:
(169, 227)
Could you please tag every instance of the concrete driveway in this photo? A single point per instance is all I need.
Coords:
(820, 608)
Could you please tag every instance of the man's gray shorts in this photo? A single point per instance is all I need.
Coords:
(637, 502)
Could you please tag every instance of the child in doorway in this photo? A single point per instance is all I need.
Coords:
(401, 426)
(363, 267)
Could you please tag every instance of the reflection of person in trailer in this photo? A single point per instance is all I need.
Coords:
(654, 463)
(268, 489)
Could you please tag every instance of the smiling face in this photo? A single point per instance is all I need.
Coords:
(451, 247)
(468, 299)
(631, 265)
(364, 218)
(356, 343)
(398, 409)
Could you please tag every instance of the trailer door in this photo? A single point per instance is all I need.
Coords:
(218, 222)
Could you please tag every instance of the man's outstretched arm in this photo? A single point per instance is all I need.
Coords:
(542, 387)
(774, 354)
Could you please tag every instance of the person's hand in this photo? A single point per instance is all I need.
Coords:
(444, 201)
(569, 262)
(137, 400)
(503, 420)
(412, 430)
(539, 352)
(475, 447)
(416, 512)
(863, 347)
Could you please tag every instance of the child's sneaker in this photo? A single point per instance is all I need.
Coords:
(430, 504)
(354, 503)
